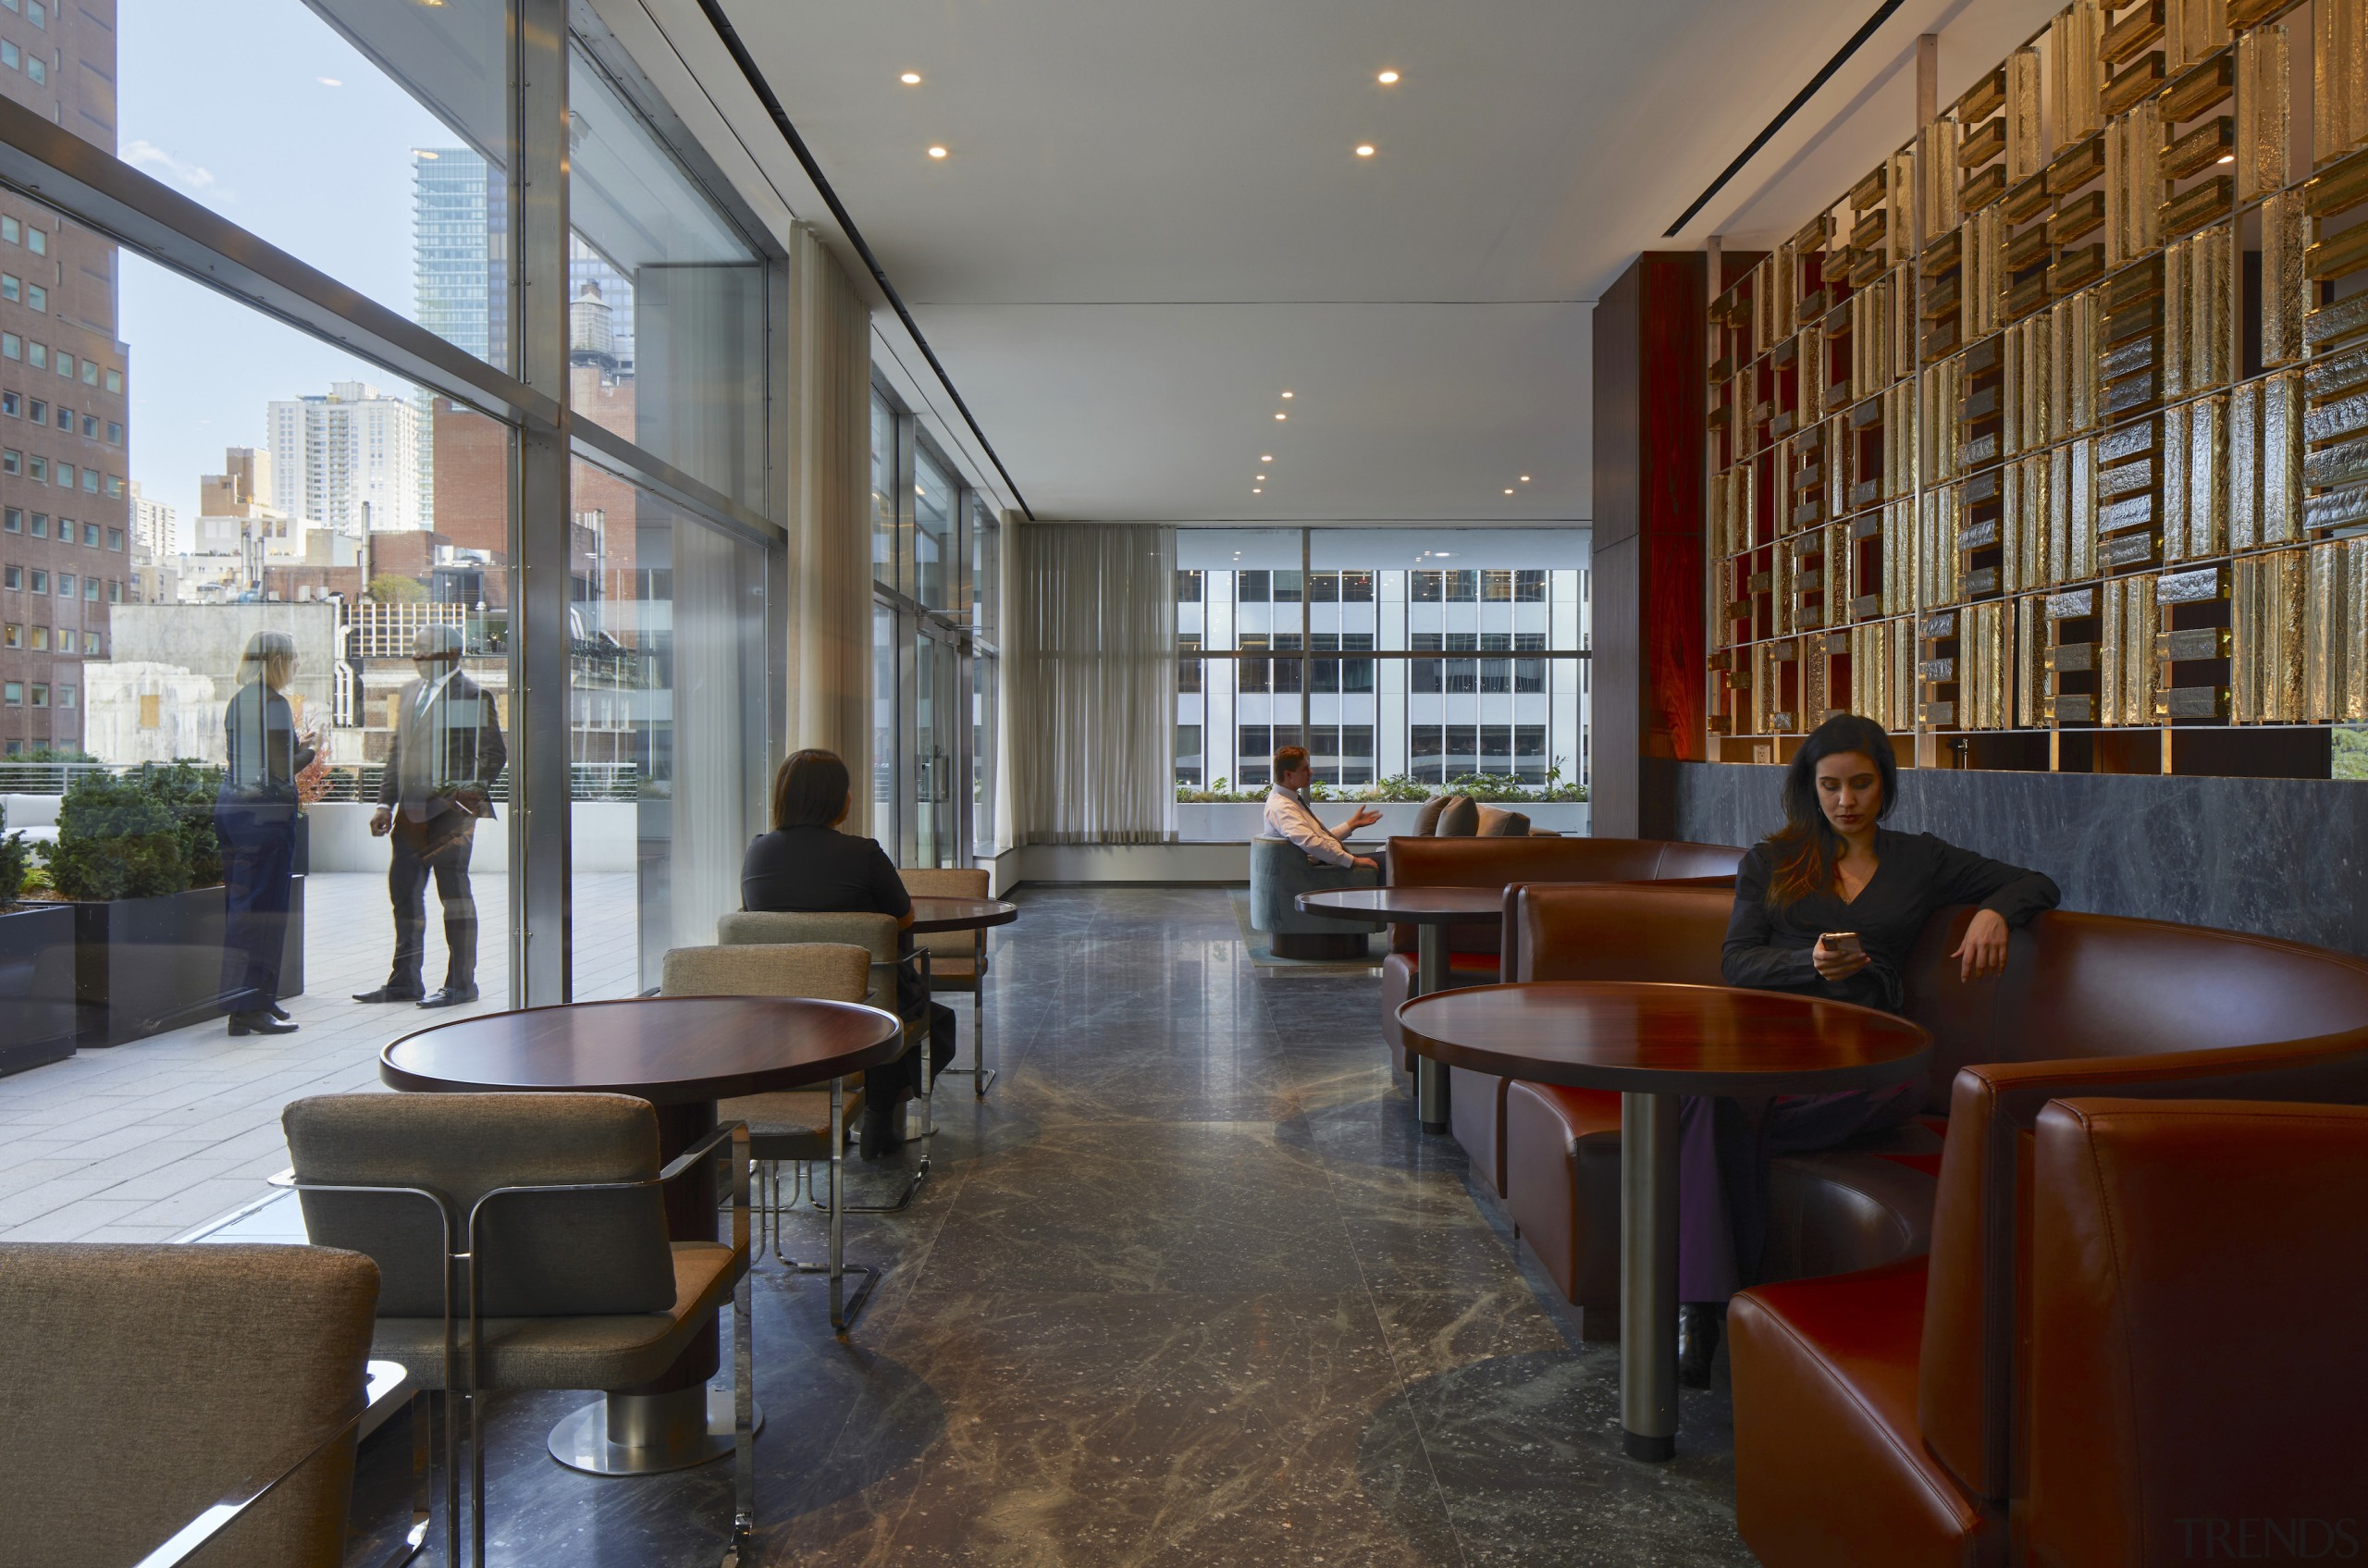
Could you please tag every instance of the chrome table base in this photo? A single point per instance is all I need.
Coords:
(649, 1434)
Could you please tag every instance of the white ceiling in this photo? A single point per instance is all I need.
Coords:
(1152, 220)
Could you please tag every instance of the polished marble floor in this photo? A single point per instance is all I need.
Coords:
(1188, 1286)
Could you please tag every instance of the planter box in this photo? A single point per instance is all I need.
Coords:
(142, 966)
(1231, 824)
(36, 987)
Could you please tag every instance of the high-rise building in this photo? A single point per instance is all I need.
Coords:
(333, 455)
(65, 549)
(451, 270)
(155, 540)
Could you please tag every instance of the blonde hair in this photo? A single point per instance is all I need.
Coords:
(271, 659)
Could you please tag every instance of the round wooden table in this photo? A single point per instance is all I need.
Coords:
(1430, 910)
(933, 914)
(1653, 1043)
(682, 1054)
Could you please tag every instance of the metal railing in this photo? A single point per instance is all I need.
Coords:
(586, 780)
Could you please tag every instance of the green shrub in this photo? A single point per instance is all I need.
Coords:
(15, 861)
(143, 834)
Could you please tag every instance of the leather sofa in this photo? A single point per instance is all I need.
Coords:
(2156, 1225)
(1476, 1101)
(1950, 1411)
(2103, 997)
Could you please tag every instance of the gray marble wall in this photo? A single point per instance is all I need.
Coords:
(2279, 856)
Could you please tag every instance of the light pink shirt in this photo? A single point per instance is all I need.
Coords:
(1287, 817)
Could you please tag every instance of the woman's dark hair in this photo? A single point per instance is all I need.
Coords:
(810, 790)
(1806, 846)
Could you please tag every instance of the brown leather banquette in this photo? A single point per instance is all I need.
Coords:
(1957, 1409)
(2113, 1002)
(1475, 1101)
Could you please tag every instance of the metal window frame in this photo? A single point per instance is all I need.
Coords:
(93, 188)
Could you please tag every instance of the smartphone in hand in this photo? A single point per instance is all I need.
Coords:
(1844, 942)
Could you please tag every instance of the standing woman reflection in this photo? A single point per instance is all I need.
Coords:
(255, 817)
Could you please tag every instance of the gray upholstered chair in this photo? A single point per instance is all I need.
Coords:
(521, 1240)
(1279, 872)
(797, 1128)
(207, 1397)
(957, 959)
(879, 936)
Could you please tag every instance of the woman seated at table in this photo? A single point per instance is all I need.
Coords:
(1828, 875)
(806, 865)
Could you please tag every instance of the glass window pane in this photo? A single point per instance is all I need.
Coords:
(932, 532)
(883, 492)
(666, 307)
(669, 741)
(366, 139)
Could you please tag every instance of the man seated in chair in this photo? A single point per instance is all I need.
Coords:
(1290, 816)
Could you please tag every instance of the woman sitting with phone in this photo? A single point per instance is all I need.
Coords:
(1830, 904)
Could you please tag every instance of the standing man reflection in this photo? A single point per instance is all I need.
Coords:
(446, 754)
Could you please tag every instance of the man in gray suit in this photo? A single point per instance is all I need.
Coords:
(447, 752)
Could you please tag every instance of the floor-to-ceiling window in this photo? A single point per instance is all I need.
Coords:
(1404, 661)
(521, 415)
(937, 554)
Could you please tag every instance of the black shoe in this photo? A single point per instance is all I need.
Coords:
(387, 994)
(275, 1010)
(450, 996)
(258, 1023)
(1699, 1325)
(883, 1130)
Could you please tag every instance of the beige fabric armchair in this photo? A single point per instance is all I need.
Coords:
(799, 1128)
(957, 959)
(522, 1243)
(180, 1404)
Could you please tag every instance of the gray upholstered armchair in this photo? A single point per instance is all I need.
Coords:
(1279, 872)
(522, 1243)
(167, 1403)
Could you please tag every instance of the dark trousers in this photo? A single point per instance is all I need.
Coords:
(901, 1079)
(258, 858)
(1723, 1150)
(441, 846)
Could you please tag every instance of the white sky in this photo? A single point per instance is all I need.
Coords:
(229, 102)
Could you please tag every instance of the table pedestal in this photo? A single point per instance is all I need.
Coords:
(1649, 1134)
(676, 1420)
(1430, 975)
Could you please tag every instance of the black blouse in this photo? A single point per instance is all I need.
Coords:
(259, 736)
(1915, 874)
(819, 870)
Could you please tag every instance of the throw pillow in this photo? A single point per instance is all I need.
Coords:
(1495, 824)
(1459, 818)
(1427, 820)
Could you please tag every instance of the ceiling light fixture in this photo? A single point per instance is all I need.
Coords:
(1364, 150)
(1525, 479)
(937, 152)
(1290, 394)
(910, 78)
(1508, 491)
(1387, 78)
(1256, 491)
(1280, 415)
(1262, 476)
(1267, 457)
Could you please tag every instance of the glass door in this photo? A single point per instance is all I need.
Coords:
(941, 721)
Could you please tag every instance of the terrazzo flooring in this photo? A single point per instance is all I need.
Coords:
(1189, 1287)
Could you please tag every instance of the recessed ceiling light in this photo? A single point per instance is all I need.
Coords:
(1364, 150)
(1267, 457)
(1289, 394)
(1282, 415)
(937, 152)
(910, 78)
(1262, 475)
(1525, 479)
(1256, 491)
(1509, 491)
(1388, 77)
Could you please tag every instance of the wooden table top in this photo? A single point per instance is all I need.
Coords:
(1653, 1039)
(1414, 905)
(668, 1050)
(932, 913)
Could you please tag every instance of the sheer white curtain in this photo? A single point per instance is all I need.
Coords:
(830, 558)
(1092, 665)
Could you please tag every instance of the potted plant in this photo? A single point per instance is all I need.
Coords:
(36, 966)
(137, 857)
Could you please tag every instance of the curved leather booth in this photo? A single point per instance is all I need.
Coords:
(1879, 1414)
(1476, 1101)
